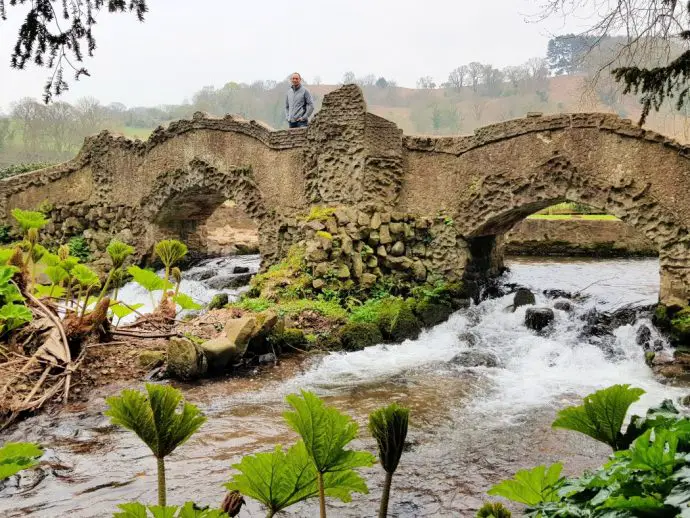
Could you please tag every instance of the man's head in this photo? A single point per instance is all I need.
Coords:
(295, 79)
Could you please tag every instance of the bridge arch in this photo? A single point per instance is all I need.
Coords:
(181, 201)
(630, 188)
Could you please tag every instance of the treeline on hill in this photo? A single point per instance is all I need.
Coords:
(473, 95)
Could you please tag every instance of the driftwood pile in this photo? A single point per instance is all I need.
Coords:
(40, 359)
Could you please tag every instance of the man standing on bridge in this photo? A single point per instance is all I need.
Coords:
(299, 104)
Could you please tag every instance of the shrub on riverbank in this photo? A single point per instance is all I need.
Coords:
(648, 474)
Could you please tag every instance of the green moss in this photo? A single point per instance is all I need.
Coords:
(680, 325)
(358, 335)
(439, 292)
(329, 342)
(368, 312)
(392, 315)
(319, 213)
(325, 235)
(287, 279)
(433, 313)
(327, 308)
(254, 304)
(219, 300)
(403, 325)
(194, 339)
(675, 321)
(661, 319)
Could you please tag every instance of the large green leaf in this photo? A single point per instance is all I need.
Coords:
(68, 263)
(118, 252)
(42, 291)
(341, 484)
(170, 251)
(16, 456)
(10, 293)
(50, 259)
(6, 274)
(37, 253)
(388, 426)
(531, 486)
(13, 316)
(636, 503)
(188, 510)
(325, 432)
(277, 479)
(186, 302)
(601, 415)
(29, 219)
(655, 454)
(56, 274)
(147, 279)
(85, 276)
(665, 416)
(5, 255)
(155, 418)
(132, 510)
(121, 311)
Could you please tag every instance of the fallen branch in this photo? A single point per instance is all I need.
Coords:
(134, 334)
(103, 344)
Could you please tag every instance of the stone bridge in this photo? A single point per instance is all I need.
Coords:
(448, 199)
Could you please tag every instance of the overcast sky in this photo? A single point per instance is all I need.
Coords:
(184, 45)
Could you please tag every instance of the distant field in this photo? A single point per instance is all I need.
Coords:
(140, 133)
(597, 217)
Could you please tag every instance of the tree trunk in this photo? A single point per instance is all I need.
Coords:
(322, 496)
(383, 510)
(161, 481)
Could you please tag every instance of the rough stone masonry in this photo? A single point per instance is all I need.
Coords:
(429, 206)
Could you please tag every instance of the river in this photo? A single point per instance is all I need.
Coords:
(469, 427)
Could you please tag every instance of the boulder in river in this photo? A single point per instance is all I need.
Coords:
(230, 345)
(644, 337)
(558, 294)
(223, 282)
(240, 269)
(523, 297)
(471, 338)
(200, 275)
(185, 360)
(475, 358)
(538, 318)
(563, 305)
